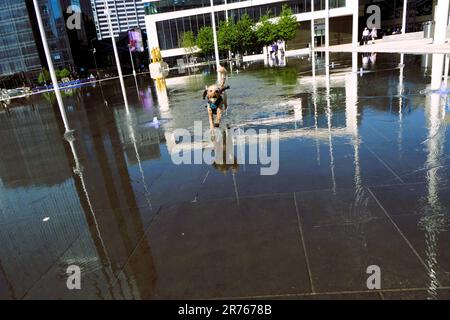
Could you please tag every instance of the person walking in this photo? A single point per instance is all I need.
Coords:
(365, 36)
(374, 34)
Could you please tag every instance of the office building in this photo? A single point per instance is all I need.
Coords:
(125, 14)
(21, 50)
(167, 20)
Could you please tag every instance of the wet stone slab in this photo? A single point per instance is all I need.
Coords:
(345, 233)
(224, 249)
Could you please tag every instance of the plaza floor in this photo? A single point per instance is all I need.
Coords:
(363, 180)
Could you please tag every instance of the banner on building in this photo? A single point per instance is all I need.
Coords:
(135, 40)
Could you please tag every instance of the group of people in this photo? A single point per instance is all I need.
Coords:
(277, 47)
(369, 35)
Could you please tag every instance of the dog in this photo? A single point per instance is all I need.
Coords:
(217, 103)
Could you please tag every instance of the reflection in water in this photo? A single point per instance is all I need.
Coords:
(81, 202)
(104, 186)
(225, 160)
(224, 157)
(434, 220)
(329, 115)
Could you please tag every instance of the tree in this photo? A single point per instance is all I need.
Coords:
(64, 73)
(266, 32)
(245, 34)
(188, 43)
(227, 36)
(44, 76)
(286, 26)
(205, 41)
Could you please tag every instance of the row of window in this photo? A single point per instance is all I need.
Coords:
(17, 65)
(170, 31)
(177, 5)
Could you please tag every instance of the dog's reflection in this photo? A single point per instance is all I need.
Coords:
(224, 156)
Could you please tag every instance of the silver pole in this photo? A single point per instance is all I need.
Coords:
(327, 24)
(312, 26)
(51, 69)
(404, 16)
(227, 19)
(132, 62)
(119, 68)
(216, 44)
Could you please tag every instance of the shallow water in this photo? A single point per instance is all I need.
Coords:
(363, 180)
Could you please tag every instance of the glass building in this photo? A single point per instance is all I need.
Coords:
(21, 50)
(18, 52)
(125, 15)
(167, 20)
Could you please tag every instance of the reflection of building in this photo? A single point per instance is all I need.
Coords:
(95, 222)
(167, 20)
(146, 140)
(32, 150)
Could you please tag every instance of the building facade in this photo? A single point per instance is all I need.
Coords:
(18, 52)
(167, 20)
(125, 15)
(21, 50)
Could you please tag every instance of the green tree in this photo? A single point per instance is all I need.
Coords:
(44, 76)
(245, 34)
(226, 36)
(63, 73)
(188, 43)
(286, 26)
(205, 41)
(266, 32)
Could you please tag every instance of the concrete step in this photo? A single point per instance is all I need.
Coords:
(407, 36)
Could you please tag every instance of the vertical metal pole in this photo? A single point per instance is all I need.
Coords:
(405, 10)
(355, 35)
(216, 44)
(51, 69)
(327, 23)
(132, 62)
(226, 17)
(119, 68)
(446, 69)
(312, 26)
(94, 51)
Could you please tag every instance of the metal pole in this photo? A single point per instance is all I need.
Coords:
(446, 69)
(227, 17)
(312, 26)
(95, 59)
(355, 24)
(132, 62)
(98, 74)
(216, 45)
(405, 9)
(119, 68)
(50, 66)
(327, 23)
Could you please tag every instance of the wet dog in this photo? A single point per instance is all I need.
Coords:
(217, 103)
(217, 98)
